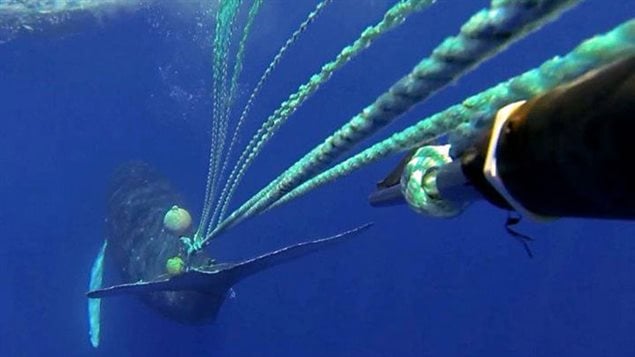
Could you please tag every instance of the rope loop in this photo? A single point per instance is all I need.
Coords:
(418, 182)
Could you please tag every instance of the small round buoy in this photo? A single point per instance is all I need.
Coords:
(177, 220)
(175, 266)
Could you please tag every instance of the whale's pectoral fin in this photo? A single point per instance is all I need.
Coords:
(217, 279)
(94, 305)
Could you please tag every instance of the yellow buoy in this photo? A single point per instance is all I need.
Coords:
(175, 266)
(177, 220)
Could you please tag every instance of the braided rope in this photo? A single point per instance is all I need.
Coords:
(419, 187)
(393, 17)
(476, 112)
(487, 33)
(243, 116)
(224, 26)
(224, 120)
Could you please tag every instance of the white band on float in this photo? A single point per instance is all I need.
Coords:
(490, 169)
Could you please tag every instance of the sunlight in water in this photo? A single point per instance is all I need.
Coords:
(21, 17)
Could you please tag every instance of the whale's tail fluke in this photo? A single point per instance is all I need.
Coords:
(216, 279)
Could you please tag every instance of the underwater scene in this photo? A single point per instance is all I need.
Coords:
(317, 177)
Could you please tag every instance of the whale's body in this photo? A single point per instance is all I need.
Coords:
(138, 199)
(139, 247)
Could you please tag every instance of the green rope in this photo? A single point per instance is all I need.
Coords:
(481, 108)
(225, 17)
(484, 35)
(395, 16)
(274, 63)
(418, 182)
(224, 120)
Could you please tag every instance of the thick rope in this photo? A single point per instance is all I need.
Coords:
(224, 120)
(395, 16)
(272, 66)
(478, 111)
(483, 36)
(418, 182)
(224, 26)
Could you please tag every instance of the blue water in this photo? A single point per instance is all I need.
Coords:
(77, 102)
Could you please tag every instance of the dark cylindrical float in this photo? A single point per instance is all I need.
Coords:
(570, 151)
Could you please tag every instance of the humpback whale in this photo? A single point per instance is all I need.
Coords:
(140, 246)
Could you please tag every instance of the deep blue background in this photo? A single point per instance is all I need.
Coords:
(75, 103)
